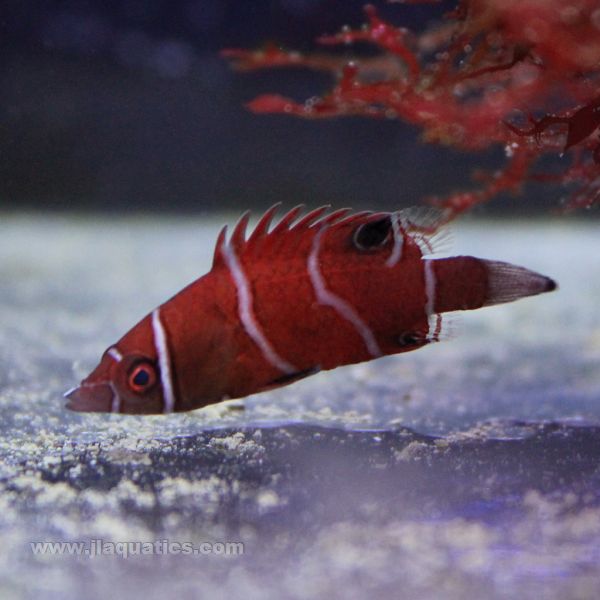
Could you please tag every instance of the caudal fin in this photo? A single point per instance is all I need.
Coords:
(508, 282)
(466, 283)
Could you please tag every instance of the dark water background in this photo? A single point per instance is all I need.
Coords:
(127, 106)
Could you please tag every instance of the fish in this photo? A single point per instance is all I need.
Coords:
(309, 293)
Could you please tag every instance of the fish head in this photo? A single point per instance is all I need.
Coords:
(131, 385)
(127, 379)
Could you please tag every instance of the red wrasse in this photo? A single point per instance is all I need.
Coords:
(312, 293)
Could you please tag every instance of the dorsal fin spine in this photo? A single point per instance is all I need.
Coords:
(221, 239)
(238, 237)
(332, 218)
(310, 218)
(287, 219)
(262, 227)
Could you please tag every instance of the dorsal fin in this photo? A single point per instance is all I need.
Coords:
(262, 240)
(221, 239)
(292, 235)
(354, 217)
(309, 218)
(238, 237)
(427, 226)
(262, 227)
(331, 218)
(288, 236)
(287, 220)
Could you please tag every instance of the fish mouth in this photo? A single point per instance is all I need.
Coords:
(92, 397)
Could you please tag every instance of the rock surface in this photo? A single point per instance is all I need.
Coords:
(467, 469)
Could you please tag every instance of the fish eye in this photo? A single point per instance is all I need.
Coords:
(374, 234)
(142, 377)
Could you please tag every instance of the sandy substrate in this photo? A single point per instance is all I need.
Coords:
(466, 469)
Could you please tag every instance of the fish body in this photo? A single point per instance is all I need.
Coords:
(311, 293)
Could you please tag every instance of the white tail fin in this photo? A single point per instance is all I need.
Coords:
(508, 282)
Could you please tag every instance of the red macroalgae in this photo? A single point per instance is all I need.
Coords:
(523, 74)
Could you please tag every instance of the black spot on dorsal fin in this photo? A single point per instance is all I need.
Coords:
(373, 234)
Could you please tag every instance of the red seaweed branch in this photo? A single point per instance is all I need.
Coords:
(523, 74)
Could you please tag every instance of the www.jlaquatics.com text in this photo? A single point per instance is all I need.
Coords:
(99, 547)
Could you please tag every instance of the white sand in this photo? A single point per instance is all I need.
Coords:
(462, 517)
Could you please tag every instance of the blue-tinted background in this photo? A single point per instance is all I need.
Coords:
(126, 105)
